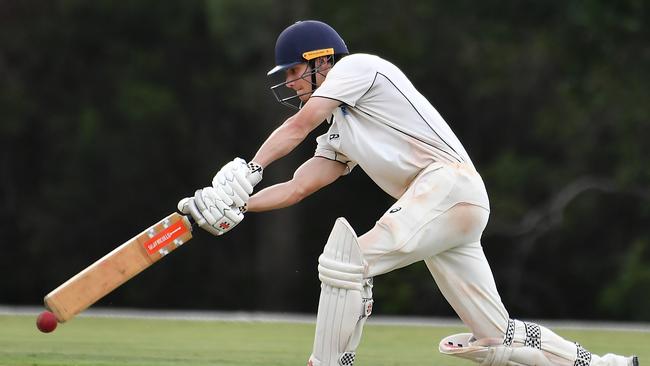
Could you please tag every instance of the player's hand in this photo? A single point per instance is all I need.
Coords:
(235, 181)
(210, 212)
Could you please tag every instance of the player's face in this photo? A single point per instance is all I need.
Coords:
(298, 78)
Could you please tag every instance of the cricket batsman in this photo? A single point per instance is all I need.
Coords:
(379, 122)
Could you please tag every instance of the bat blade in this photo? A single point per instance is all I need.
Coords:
(115, 268)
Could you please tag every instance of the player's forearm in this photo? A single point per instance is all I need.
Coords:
(294, 130)
(311, 176)
(281, 142)
(274, 197)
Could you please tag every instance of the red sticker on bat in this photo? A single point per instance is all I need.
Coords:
(163, 238)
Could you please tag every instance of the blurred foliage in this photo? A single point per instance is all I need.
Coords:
(621, 296)
(112, 111)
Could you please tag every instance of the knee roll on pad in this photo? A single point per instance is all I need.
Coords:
(345, 299)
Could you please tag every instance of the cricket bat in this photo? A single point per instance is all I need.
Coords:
(115, 268)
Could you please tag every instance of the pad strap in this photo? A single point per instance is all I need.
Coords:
(510, 333)
(533, 334)
(583, 357)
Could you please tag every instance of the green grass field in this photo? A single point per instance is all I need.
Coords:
(123, 341)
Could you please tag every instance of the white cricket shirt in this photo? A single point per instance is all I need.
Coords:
(384, 124)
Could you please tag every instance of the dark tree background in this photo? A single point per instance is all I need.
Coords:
(112, 111)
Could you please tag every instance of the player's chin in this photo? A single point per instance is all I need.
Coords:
(304, 97)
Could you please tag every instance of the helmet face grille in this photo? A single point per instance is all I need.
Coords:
(304, 39)
(288, 96)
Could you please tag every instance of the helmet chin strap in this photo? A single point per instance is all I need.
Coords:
(314, 70)
(312, 64)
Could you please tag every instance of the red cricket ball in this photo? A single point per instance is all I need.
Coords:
(46, 322)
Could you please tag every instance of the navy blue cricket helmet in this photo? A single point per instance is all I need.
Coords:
(304, 41)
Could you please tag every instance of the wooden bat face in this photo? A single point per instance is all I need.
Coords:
(118, 266)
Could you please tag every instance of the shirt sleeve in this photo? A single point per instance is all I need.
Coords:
(347, 81)
(327, 151)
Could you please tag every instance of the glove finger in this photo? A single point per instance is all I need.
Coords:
(239, 191)
(224, 223)
(227, 172)
(241, 176)
(223, 196)
(215, 208)
(238, 201)
(198, 200)
(230, 186)
(196, 214)
(203, 200)
(223, 182)
(233, 215)
(183, 205)
(242, 171)
(213, 205)
(218, 179)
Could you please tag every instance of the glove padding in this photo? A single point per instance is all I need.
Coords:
(234, 183)
(210, 212)
(219, 208)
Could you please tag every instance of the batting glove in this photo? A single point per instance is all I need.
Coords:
(234, 183)
(210, 212)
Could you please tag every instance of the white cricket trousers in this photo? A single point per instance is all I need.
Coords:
(440, 219)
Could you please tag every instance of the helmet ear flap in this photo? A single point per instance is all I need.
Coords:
(316, 65)
(320, 61)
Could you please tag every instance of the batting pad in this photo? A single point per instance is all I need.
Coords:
(465, 346)
(345, 299)
(527, 343)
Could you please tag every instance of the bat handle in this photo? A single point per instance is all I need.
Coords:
(191, 220)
